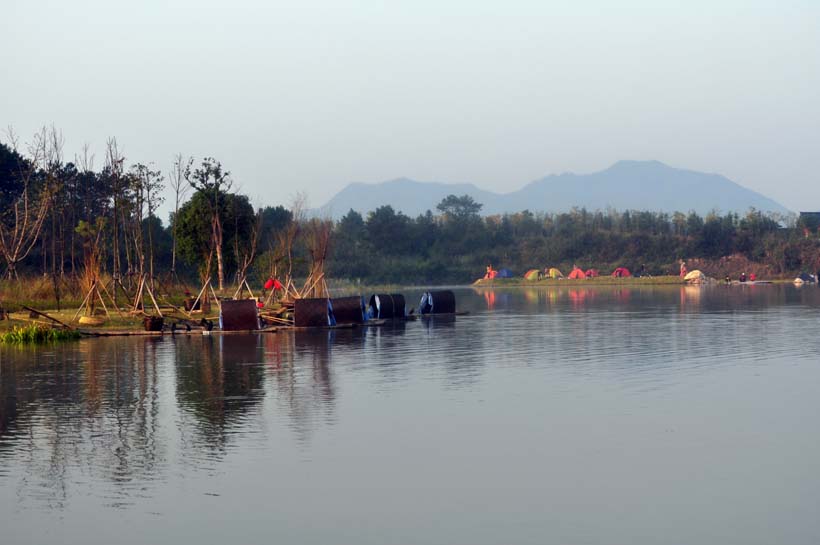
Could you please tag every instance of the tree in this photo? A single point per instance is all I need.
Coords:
(463, 230)
(274, 219)
(26, 206)
(180, 188)
(459, 208)
(350, 248)
(193, 224)
(388, 231)
(247, 228)
(212, 182)
(276, 223)
(145, 186)
(114, 181)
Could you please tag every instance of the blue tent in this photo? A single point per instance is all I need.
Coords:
(504, 273)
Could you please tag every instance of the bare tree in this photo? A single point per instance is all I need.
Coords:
(317, 240)
(287, 237)
(85, 164)
(181, 188)
(114, 169)
(145, 185)
(246, 253)
(22, 218)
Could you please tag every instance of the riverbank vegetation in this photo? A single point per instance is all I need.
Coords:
(37, 334)
(68, 227)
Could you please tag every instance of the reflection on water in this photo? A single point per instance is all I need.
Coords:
(68, 407)
(526, 398)
(219, 384)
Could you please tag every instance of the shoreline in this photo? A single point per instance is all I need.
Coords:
(597, 281)
(610, 281)
(126, 324)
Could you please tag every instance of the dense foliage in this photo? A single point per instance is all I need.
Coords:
(458, 244)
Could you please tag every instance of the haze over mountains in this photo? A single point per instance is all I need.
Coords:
(626, 185)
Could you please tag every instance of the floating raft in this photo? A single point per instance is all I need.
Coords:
(242, 316)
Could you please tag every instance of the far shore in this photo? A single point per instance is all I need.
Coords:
(596, 281)
(601, 281)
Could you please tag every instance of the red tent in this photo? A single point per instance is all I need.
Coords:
(577, 274)
(591, 273)
(621, 272)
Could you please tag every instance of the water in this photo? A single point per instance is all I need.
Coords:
(641, 416)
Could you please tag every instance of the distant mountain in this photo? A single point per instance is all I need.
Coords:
(626, 185)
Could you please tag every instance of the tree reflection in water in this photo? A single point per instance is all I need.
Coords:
(220, 383)
(91, 407)
(299, 365)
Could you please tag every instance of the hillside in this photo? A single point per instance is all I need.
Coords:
(626, 185)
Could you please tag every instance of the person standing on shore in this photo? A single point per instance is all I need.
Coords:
(683, 270)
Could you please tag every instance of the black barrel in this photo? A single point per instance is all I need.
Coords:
(438, 302)
(347, 310)
(311, 312)
(239, 315)
(388, 305)
(153, 323)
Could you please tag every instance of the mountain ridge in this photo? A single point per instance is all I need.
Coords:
(625, 185)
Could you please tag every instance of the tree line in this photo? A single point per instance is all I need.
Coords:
(64, 219)
(457, 243)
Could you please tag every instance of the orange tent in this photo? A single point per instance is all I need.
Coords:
(621, 272)
(577, 274)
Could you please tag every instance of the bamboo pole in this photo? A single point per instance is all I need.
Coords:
(154, 300)
(85, 301)
(193, 305)
(111, 299)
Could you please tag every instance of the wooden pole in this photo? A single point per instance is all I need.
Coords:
(153, 299)
(113, 302)
(82, 305)
(97, 292)
(204, 287)
(138, 297)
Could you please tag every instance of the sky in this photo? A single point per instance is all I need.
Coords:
(305, 97)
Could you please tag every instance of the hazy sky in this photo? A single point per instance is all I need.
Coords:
(311, 95)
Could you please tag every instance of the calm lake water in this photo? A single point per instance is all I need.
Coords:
(674, 415)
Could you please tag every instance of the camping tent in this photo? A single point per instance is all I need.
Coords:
(555, 273)
(621, 272)
(694, 277)
(504, 273)
(591, 273)
(577, 274)
(532, 274)
(804, 278)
